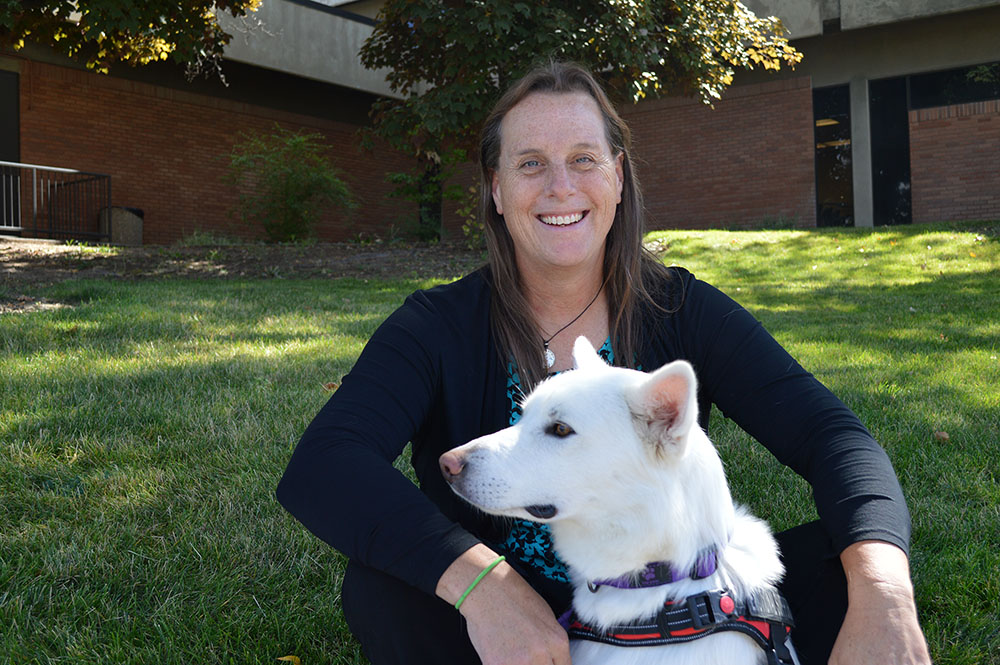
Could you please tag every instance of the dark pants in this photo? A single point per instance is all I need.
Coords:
(396, 623)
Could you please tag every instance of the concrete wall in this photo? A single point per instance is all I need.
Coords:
(945, 42)
(748, 161)
(366, 8)
(305, 41)
(863, 13)
(802, 18)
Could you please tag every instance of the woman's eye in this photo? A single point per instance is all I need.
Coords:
(560, 429)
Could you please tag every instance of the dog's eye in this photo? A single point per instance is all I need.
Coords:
(559, 429)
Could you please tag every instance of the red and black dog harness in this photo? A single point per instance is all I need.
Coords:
(765, 618)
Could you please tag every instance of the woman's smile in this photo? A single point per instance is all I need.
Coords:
(564, 219)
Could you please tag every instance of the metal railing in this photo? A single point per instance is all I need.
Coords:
(51, 202)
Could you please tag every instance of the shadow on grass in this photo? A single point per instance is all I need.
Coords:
(138, 504)
(906, 342)
(954, 305)
(114, 318)
(146, 427)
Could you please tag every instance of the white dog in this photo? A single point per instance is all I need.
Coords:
(664, 567)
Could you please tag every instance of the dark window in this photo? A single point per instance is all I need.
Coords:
(955, 86)
(10, 150)
(834, 177)
(890, 135)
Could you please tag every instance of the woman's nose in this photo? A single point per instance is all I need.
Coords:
(560, 181)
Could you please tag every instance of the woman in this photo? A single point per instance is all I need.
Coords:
(563, 218)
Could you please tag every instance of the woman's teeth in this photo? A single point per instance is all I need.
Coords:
(561, 220)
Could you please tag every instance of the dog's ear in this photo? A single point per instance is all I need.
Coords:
(665, 406)
(584, 354)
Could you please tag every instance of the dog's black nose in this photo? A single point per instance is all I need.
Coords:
(451, 465)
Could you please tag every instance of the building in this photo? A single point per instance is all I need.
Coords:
(892, 117)
(165, 141)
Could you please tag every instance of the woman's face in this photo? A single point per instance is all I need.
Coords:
(557, 183)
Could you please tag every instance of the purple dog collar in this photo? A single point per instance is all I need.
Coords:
(659, 573)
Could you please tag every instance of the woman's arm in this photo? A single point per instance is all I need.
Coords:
(881, 623)
(756, 382)
(340, 482)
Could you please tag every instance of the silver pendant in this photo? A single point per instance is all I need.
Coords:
(550, 358)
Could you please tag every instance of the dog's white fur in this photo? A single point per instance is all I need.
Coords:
(637, 481)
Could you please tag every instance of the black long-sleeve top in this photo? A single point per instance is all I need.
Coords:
(431, 375)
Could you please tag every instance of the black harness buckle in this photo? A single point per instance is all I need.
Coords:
(711, 608)
(695, 612)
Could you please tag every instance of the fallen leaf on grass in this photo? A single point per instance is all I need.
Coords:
(294, 660)
(331, 387)
(942, 437)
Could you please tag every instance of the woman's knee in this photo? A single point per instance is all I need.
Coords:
(398, 623)
(815, 588)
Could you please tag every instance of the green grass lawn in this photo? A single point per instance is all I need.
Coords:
(143, 429)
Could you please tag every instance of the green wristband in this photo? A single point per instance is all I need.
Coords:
(479, 578)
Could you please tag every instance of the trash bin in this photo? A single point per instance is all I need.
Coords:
(126, 225)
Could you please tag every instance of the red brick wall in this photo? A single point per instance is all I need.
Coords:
(166, 151)
(955, 162)
(749, 160)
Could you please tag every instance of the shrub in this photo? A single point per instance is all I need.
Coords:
(426, 185)
(472, 225)
(285, 181)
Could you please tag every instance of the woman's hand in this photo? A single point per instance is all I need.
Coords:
(508, 622)
(881, 623)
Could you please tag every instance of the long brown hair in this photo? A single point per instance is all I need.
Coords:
(630, 271)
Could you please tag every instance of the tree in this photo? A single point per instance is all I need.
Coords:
(450, 59)
(101, 33)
